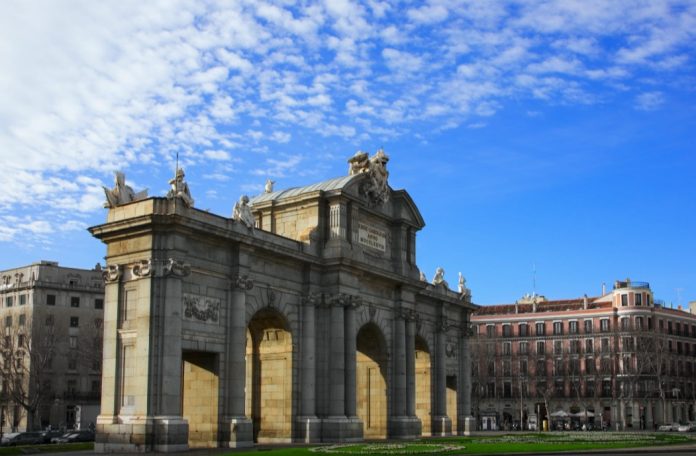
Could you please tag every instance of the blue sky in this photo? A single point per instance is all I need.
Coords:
(558, 134)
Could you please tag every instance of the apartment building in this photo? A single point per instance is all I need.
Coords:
(622, 360)
(50, 357)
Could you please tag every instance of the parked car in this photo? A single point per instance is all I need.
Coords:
(688, 427)
(669, 427)
(74, 436)
(25, 438)
(7, 437)
(47, 436)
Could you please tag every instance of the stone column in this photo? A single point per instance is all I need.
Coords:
(649, 423)
(237, 428)
(465, 422)
(442, 424)
(308, 426)
(399, 374)
(350, 358)
(337, 359)
(411, 365)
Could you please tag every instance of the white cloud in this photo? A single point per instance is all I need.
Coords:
(649, 101)
(216, 154)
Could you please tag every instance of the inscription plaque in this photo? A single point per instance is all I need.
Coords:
(372, 237)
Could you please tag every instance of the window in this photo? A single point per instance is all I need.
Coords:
(589, 346)
(588, 326)
(628, 343)
(558, 327)
(51, 300)
(605, 345)
(574, 366)
(541, 348)
(573, 327)
(589, 366)
(557, 347)
(490, 331)
(523, 329)
(669, 327)
(98, 323)
(639, 323)
(22, 299)
(507, 331)
(491, 368)
(559, 387)
(98, 304)
(8, 321)
(589, 388)
(507, 390)
(74, 301)
(523, 366)
(96, 386)
(73, 341)
(8, 301)
(606, 388)
(541, 367)
(624, 300)
(558, 367)
(507, 370)
(540, 329)
(8, 342)
(507, 348)
(71, 386)
(20, 340)
(604, 324)
(524, 348)
(49, 320)
(639, 299)
(661, 325)
(575, 346)
(72, 363)
(74, 322)
(624, 324)
(22, 319)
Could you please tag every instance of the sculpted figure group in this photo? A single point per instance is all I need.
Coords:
(376, 187)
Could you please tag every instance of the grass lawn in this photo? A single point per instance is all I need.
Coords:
(510, 443)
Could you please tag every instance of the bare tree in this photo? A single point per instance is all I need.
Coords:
(27, 357)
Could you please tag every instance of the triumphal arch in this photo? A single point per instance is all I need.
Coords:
(301, 318)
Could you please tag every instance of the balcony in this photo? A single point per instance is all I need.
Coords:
(621, 284)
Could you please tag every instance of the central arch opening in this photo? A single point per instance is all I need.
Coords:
(423, 389)
(371, 374)
(269, 377)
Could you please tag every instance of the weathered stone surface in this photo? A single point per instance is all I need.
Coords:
(324, 330)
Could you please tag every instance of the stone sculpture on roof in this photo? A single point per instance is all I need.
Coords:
(180, 189)
(463, 290)
(268, 188)
(439, 278)
(242, 212)
(121, 193)
(376, 187)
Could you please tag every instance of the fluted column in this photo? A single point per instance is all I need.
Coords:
(337, 358)
(399, 388)
(411, 365)
(441, 374)
(350, 354)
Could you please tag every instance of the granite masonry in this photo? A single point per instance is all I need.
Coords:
(314, 324)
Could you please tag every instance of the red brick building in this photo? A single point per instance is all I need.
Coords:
(621, 360)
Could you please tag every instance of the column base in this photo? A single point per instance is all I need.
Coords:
(129, 434)
(441, 426)
(404, 427)
(307, 429)
(466, 425)
(341, 429)
(237, 432)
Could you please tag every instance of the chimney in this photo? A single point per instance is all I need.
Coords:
(604, 288)
(584, 301)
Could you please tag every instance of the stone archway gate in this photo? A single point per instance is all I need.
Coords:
(183, 284)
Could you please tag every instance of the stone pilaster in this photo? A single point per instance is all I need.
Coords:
(411, 365)
(237, 428)
(350, 356)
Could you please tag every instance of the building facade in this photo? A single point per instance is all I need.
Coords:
(50, 367)
(621, 360)
(302, 318)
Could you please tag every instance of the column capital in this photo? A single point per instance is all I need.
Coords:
(112, 273)
(312, 299)
(241, 283)
(408, 315)
(343, 300)
(143, 268)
